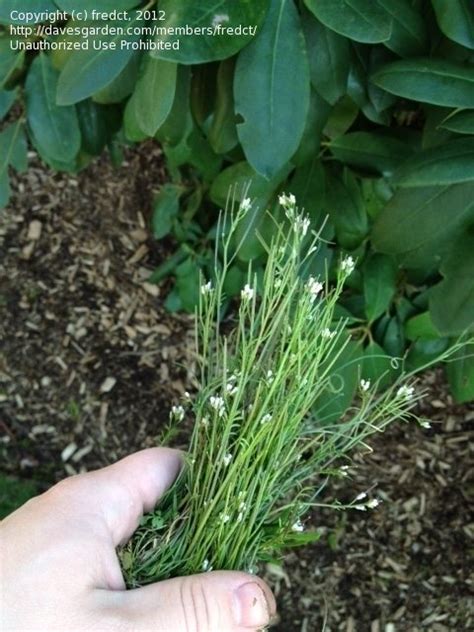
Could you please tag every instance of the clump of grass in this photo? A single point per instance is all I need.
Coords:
(258, 456)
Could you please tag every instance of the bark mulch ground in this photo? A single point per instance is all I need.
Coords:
(90, 363)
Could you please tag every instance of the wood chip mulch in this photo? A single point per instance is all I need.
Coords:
(90, 363)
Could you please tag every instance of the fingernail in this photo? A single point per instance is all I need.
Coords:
(253, 609)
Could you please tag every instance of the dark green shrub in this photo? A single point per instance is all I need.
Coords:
(363, 109)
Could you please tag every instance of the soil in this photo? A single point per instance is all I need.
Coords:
(90, 364)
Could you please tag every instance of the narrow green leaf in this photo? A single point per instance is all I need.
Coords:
(460, 122)
(380, 277)
(54, 129)
(271, 87)
(369, 150)
(4, 188)
(179, 122)
(361, 20)
(329, 59)
(409, 35)
(154, 94)
(445, 164)
(341, 117)
(88, 71)
(423, 217)
(437, 81)
(221, 28)
(456, 20)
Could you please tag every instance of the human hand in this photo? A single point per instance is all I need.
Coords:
(59, 568)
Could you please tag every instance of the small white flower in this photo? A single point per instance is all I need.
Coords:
(364, 385)
(374, 502)
(405, 392)
(301, 223)
(277, 283)
(177, 412)
(361, 496)
(270, 376)
(187, 396)
(204, 422)
(424, 423)
(227, 458)
(246, 204)
(217, 403)
(297, 527)
(206, 566)
(242, 506)
(266, 418)
(240, 517)
(327, 333)
(287, 201)
(344, 468)
(231, 388)
(206, 288)
(315, 287)
(247, 293)
(360, 507)
(348, 265)
(224, 518)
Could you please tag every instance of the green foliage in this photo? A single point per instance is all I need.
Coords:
(14, 493)
(364, 110)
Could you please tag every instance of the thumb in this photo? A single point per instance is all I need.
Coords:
(222, 601)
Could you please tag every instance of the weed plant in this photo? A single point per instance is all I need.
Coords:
(259, 457)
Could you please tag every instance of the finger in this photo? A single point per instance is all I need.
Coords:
(223, 601)
(121, 493)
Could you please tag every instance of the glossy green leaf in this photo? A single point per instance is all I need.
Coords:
(460, 122)
(369, 150)
(165, 209)
(341, 117)
(271, 87)
(394, 340)
(12, 147)
(4, 188)
(99, 5)
(223, 131)
(380, 275)
(361, 20)
(88, 71)
(334, 401)
(123, 84)
(94, 126)
(437, 81)
(154, 94)
(187, 284)
(310, 143)
(424, 352)
(357, 85)
(425, 216)
(456, 20)
(329, 59)
(447, 164)
(460, 372)
(346, 209)
(54, 129)
(452, 300)
(7, 99)
(7, 7)
(10, 60)
(377, 366)
(179, 123)
(308, 185)
(421, 326)
(209, 19)
(409, 35)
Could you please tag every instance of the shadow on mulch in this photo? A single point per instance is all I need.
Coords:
(91, 362)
